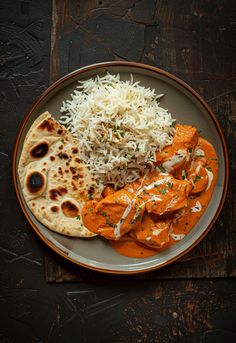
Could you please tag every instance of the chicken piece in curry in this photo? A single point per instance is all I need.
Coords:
(174, 157)
(115, 215)
(160, 208)
(152, 232)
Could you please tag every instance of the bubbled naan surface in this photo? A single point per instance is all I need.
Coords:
(54, 182)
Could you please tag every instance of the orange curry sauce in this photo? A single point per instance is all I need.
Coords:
(158, 210)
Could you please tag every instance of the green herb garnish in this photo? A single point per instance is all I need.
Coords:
(134, 220)
(78, 217)
(162, 169)
(170, 185)
(104, 214)
(90, 196)
(209, 168)
(198, 177)
(163, 191)
(184, 175)
(109, 223)
(190, 150)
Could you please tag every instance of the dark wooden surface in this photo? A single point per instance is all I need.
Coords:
(194, 40)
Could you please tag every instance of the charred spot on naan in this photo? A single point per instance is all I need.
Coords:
(69, 209)
(36, 182)
(60, 171)
(55, 209)
(77, 173)
(91, 191)
(73, 170)
(39, 150)
(55, 192)
(48, 125)
(74, 150)
(74, 186)
(63, 155)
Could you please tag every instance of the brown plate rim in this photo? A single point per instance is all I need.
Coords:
(126, 64)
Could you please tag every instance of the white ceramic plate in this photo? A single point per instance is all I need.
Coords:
(187, 107)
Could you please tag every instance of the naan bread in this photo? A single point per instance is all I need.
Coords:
(54, 182)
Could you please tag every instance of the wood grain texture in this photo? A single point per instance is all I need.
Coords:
(24, 44)
(101, 309)
(128, 314)
(192, 40)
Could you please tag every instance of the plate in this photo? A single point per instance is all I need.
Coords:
(187, 107)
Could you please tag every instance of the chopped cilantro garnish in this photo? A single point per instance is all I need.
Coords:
(109, 223)
(184, 175)
(78, 217)
(134, 220)
(170, 185)
(162, 191)
(90, 196)
(122, 133)
(190, 150)
(116, 200)
(162, 169)
(104, 214)
(209, 168)
(198, 177)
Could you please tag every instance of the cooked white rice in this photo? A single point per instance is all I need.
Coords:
(120, 126)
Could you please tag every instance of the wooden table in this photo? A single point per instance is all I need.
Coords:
(46, 299)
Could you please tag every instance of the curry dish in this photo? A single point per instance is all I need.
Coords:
(160, 208)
